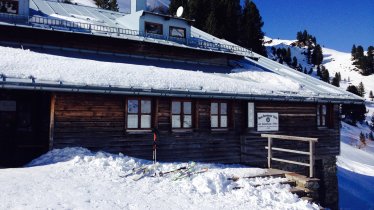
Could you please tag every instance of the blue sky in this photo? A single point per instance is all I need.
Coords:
(337, 24)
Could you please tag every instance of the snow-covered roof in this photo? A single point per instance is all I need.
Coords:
(259, 78)
(69, 71)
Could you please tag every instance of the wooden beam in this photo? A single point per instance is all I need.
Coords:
(289, 150)
(270, 141)
(52, 120)
(290, 161)
(311, 159)
(295, 138)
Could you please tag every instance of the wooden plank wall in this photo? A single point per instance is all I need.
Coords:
(98, 123)
(297, 120)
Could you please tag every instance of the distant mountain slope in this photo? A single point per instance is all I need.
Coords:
(334, 61)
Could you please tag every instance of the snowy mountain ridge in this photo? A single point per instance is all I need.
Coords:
(335, 61)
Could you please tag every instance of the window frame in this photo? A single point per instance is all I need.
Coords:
(327, 116)
(184, 29)
(159, 24)
(139, 114)
(219, 115)
(182, 114)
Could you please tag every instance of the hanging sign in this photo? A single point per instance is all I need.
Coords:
(267, 122)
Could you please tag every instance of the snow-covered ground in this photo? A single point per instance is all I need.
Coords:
(355, 170)
(75, 178)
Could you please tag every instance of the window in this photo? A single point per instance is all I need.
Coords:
(153, 28)
(218, 115)
(9, 6)
(322, 116)
(177, 32)
(181, 114)
(138, 114)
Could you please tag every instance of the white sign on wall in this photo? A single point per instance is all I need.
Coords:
(267, 122)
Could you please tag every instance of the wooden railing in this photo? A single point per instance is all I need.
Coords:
(270, 149)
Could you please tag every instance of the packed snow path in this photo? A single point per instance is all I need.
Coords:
(75, 178)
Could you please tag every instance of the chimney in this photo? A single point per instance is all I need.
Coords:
(137, 5)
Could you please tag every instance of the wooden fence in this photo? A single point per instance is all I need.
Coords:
(270, 149)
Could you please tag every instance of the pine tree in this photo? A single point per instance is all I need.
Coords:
(336, 80)
(287, 57)
(251, 28)
(362, 140)
(370, 59)
(318, 71)
(211, 24)
(273, 50)
(359, 52)
(353, 52)
(294, 61)
(371, 96)
(107, 4)
(113, 5)
(309, 55)
(317, 55)
(325, 75)
(361, 89)
(371, 136)
(354, 112)
(310, 71)
(299, 36)
(230, 14)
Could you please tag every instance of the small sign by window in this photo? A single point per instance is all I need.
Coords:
(267, 122)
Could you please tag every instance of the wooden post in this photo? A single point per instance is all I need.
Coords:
(311, 159)
(269, 151)
(52, 121)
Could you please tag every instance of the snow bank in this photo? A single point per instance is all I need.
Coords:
(75, 178)
(20, 63)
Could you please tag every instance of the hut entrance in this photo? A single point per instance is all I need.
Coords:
(24, 126)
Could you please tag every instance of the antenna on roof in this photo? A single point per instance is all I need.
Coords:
(180, 11)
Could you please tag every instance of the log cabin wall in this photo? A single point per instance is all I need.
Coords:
(98, 122)
(295, 119)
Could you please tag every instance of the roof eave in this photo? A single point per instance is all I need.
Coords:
(168, 93)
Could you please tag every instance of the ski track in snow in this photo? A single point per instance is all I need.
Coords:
(75, 178)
